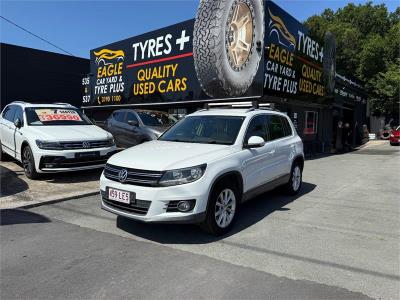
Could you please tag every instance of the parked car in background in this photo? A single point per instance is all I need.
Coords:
(395, 136)
(49, 138)
(132, 127)
(204, 167)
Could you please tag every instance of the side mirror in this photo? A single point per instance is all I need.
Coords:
(18, 123)
(133, 123)
(255, 142)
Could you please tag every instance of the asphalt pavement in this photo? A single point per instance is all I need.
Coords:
(338, 239)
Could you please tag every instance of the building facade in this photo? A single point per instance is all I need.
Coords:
(259, 52)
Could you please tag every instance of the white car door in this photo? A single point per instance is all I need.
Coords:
(8, 129)
(259, 165)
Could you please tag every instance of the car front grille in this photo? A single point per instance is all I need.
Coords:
(141, 207)
(135, 176)
(54, 162)
(85, 145)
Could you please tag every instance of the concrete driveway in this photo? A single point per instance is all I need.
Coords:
(341, 232)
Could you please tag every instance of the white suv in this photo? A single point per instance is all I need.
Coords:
(204, 167)
(52, 138)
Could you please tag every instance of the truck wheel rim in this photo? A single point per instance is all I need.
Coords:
(225, 208)
(296, 178)
(239, 35)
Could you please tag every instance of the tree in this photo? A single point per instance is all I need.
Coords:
(368, 47)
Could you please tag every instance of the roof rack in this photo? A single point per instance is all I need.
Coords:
(61, 103)
(252, 105)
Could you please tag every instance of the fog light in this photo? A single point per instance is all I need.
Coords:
(184, 206)
(49, 165)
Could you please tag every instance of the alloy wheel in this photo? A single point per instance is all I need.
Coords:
(27, 161)
(296, 178)
(225, 207)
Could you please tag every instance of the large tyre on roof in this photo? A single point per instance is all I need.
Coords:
(227, 45)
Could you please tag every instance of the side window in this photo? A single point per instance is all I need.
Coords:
(118, 116)
(9, 112)
(19, 114)
(257, 127)
(130, 116)
(286, 126)
(275, 127)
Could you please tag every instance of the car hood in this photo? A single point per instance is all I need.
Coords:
(162, 155)
(69, 133)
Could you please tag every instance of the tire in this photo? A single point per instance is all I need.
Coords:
(28, 162)
(329, 63)
(296, 175)
(216, 212)
(219, 71)
(1, 152)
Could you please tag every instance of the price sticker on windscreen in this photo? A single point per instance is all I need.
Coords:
(48, 115)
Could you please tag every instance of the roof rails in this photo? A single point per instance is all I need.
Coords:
(61, 103)
(252, 105)
(20, 102)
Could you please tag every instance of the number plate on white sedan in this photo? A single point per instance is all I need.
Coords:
(121, 196)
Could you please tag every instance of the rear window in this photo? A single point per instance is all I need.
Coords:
(47, 116)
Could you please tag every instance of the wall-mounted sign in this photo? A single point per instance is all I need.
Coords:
(294, 61)
(238, 49)
(160, 67)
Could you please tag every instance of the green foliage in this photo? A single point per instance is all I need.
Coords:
(368, 47)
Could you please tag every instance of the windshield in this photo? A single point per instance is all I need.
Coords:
(205, 129)
(40, 116)
(152, 118)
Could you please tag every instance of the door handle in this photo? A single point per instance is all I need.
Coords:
(271, 152)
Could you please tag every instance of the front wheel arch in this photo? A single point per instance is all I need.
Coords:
(234, 175)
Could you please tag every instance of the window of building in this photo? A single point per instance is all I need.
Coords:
(311, 125)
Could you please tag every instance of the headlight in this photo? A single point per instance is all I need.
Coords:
(111, 141)
(49, 145)
(182, 176)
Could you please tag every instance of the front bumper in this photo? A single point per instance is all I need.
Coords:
(62, 161)
(152, 202)
(394, 140)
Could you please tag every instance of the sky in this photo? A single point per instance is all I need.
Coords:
(78, 26)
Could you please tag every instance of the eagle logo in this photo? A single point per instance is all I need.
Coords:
(107, 56)
(278, 27)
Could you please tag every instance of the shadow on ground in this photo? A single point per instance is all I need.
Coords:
(11, 182)
(19, 216)
(57, 178)
(250, 213)
(73, 177)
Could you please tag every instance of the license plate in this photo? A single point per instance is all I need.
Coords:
(87, 154)
(120, 196)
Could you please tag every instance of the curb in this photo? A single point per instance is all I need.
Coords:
(53, 201)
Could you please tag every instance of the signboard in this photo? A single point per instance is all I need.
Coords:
(254, 49)
(294, 61)
(156, 67)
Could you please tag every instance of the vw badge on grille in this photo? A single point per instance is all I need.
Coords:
(86, 145)
(122, 175)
